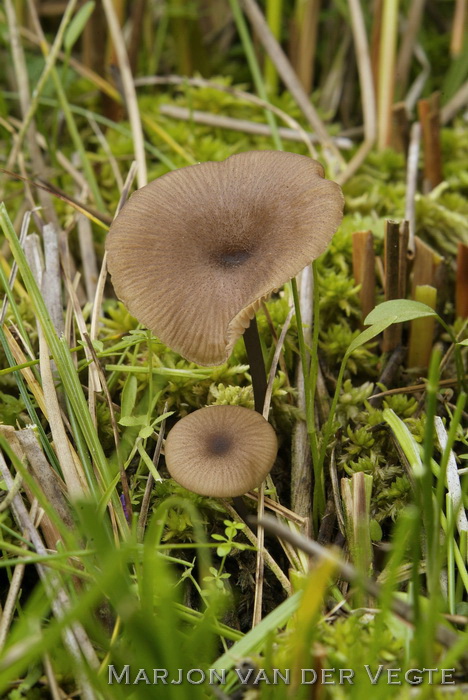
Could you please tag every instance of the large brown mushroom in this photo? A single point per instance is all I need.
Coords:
(221, 451)
(193, 253)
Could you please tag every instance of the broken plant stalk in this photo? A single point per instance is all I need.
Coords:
(392, 335)
(422, 329)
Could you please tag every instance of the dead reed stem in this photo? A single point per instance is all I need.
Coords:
(301, 463)
(461, 292)
(426, 260)
(412, 170)
(400, 128)
(364, 269)
(392, 335)
(403, 258)
(429, 116)
(386, 80)
(422, 329)
(304, 41)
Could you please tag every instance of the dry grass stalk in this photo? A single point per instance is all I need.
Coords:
(364, 269)
(22, 79)
(386, 71)
(461, 292)
(28, 375)
(356, 497)
(400, 128)
(422, 329)
(366, 83)
(243, 125)
(304, 41)
(51, 281)
(392, 335)
(30, 454)
(412, 170)
(399, 607)
(270, 562)
(51, 58)
(240, 94)
(429, 116)
(47, 479)
(128, 89)
(96, 312)
(72, 469)
(259, 573)
(301, 465)
(375, 41)
(115, 430)
(455, 492)
(408, 42)
(458, 28)
(290, 79)
(74, 636)
(143, 516)
(453, 106)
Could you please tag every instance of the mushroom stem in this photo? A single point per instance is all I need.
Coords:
(257, 364)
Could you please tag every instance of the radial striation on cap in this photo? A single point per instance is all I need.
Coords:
(193, 253)
(221, 451)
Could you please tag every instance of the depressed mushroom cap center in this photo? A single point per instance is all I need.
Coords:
(219, 443)
(230, 257)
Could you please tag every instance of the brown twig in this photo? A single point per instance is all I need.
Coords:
(429, 116)
(392, 335)
(364, 269)
(461, 292)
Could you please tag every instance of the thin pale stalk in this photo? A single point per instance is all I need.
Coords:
(386, 83)
(319, 489)
(129, 90)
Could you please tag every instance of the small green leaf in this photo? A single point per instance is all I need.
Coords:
(129, 393)
(398, 311)
(131, 421)
(223, 550)
(145, 432)
(162, 417)
(77, 25)
(367, 335)
(375, 531)
(463, 342)
(406, 441)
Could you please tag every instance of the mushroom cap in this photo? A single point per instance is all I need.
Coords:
(221, 451)
(193, 253)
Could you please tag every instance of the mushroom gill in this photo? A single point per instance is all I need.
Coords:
(193, 253)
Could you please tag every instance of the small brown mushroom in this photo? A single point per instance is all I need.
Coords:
(193, 253)
(221, 451)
